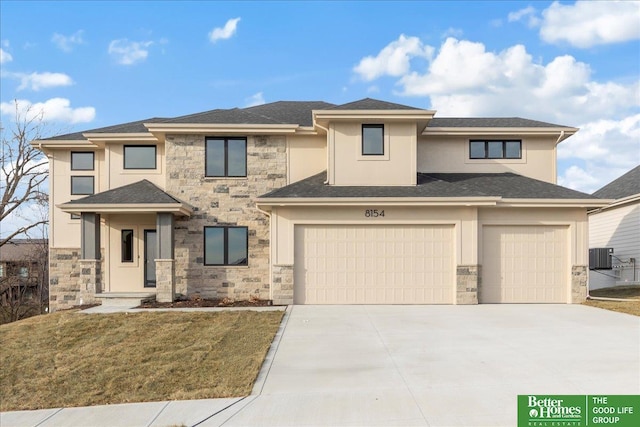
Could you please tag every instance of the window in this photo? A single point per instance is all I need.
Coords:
(127, 246)
(225, 246)
(372, 140)
(495, 149)
(81, 161)
(226, 157)
(81, 185)
(1, 270)
(139, 156)
(76, 216)
(23, 272)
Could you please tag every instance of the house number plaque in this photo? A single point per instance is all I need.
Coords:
(373, 213)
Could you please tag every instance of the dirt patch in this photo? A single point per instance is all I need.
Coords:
(197, 302)
(629, 293)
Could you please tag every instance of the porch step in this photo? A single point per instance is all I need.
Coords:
(125, 299)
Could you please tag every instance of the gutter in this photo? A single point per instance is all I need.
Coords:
(327, 131)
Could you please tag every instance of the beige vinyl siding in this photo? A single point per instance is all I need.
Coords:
(374, 264)
(524, 264)
(617, 228)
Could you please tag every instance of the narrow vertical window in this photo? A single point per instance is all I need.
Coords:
(372, 140)
(127, 245)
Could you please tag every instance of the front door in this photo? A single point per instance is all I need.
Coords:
(150, 250)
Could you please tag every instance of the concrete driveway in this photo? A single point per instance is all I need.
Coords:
(437, 365)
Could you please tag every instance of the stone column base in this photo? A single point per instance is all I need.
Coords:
(165, 280)
(578, 283)
(282, 286)
(90, 280)
(467, 281)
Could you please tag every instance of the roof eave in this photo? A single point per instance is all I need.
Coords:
(63, 143)
(379, 201)
(562, 132)
(220, 128)
(578, 203)
(120, 137)
(179, 209)
(616, 203)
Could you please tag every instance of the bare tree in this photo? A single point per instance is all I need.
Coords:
(23, 170)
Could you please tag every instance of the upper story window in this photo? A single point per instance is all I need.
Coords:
(82, 161)
(139, 156)
(495, 149)
(226, 245)
(23, 272)
(372, 140)
(226, 157)
(82, 185)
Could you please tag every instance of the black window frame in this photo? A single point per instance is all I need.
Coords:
(226, 156)
(124, 156)
(75, 216)
(93, 160)
(93, 185)
(226, 245)
(504, 149)
(372, 126)
(122, 245)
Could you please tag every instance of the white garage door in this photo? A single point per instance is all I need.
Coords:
(365, 264)
(524, 264)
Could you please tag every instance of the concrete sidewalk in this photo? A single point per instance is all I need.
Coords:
(404, 366)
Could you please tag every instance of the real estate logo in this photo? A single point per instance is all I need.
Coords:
(578, 410)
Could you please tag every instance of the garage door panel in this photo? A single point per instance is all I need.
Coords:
(524, 264)
(411, 264)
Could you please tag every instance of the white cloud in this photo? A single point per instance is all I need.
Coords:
(128, 52)
(452, 32)
(394, 59)
(223, 33)
(255, 99)
(528, 13)
(66, 43)
(53, 110)
(5, 56)
(589, 23)
(37, 81)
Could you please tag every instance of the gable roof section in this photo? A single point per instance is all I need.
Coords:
(16, 250)
(141, 192)
(488, 122)
(371, 104)
(436, 185)
(625, 186)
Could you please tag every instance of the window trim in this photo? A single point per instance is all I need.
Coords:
(371, 126)
(122, 259)
(504, 149)
(226, 156)
(93, 160)
(93, 185)
(124, 156)
(225, 243)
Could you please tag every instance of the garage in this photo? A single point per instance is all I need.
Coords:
(374, 264)
(524, 264)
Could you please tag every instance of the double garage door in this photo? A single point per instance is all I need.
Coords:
(416, 264)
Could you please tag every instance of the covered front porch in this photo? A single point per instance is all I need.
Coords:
(127, 243)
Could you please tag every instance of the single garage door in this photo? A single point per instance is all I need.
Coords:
(373, 264)
(524, 264)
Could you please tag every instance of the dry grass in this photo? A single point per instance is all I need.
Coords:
(70, 359)
(623, 292)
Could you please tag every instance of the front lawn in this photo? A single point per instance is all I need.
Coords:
(70, 359)
(629, 293)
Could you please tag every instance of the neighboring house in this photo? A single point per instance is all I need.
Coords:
(23, 269)
(617, 226)
(313, 203)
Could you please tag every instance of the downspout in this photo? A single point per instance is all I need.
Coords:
(327, 131)
(268, 214)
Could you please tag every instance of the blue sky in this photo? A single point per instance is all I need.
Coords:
(93, 64)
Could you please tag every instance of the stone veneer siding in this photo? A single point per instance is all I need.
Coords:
(467, 281)
(165, 280)
(66, 286)
(282, 284)
(578, 283)
(223, 201)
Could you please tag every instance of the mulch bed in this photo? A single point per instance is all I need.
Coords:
(204, 302)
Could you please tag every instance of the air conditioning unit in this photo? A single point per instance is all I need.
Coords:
(600, 258)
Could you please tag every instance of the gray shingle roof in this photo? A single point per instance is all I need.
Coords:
(625, 186)
(141, 192)
(372, 104)
(131, 127)
(21, 249)
(506, 185)
(482, 122)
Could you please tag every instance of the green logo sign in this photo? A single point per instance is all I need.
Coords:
(578, 410)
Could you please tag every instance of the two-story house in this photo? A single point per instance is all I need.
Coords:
(369, 202)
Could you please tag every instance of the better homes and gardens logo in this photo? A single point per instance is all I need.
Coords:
(578, 410)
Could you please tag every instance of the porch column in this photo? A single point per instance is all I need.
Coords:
(90, 262)
(165, 264)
